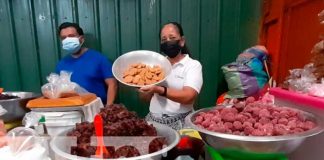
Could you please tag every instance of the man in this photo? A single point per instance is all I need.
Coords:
(90, 69)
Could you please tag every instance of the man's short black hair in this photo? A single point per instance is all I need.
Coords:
(69, 24)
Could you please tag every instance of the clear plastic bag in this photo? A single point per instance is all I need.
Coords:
(60, 86)
(2, 111)
(21, 139)
(31, 119)
(317, 89)
(25, 143)
(300, 80)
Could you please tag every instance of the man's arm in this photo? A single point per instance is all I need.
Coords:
(111, 91)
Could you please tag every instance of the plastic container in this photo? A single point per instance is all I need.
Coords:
(314, 105)
(62, 144)
(56, 122)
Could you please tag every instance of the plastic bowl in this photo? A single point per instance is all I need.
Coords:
(61, 145)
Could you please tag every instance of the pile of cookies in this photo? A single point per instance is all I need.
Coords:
(142, 74)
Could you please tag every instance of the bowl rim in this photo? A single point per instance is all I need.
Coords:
(33, 95)
(134, 52)
(160, 152)
(318, 129)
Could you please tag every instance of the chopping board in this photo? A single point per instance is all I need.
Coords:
(79, 100)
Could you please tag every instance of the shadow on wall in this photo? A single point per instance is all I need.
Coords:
(91, 42)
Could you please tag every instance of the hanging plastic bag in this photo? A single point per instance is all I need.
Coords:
(60, 86)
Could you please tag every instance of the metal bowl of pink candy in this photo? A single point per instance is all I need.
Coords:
(257, 144)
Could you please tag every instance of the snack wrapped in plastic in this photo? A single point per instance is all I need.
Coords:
(60, 86)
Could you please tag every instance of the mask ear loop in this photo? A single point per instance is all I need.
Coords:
(82, 42)
(184, 44)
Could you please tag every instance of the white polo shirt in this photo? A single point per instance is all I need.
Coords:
(187, 72)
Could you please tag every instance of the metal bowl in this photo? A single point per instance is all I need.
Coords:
(259, 144)
(16, 108)
(61, 145)
(140, 56)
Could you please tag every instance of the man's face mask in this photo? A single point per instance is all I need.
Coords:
(171, 48)
(71, 44)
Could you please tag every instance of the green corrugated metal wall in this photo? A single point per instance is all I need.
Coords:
(216, 30)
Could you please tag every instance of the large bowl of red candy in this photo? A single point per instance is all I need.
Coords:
(255, 126)
(126, 136)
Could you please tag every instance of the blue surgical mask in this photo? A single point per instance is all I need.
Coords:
(71, 44)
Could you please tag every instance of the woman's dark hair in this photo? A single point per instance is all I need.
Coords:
(69, 24)
(184, 49)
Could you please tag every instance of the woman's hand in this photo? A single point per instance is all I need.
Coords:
(152, 89)
(186, 95)
(147, 89)
(146, 93)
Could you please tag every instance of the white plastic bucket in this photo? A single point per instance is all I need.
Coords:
(56, 122)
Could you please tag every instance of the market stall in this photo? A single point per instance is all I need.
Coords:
(253, 120)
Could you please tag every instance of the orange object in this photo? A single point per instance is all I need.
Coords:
(101, 151)
(1, 90)
(221, 99)
(80, 100)
(184, 143)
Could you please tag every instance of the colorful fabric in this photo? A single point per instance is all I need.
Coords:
(246, 76)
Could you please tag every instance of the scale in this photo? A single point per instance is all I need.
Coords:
(226, 153)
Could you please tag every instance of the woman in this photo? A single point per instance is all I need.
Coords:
(173, 100)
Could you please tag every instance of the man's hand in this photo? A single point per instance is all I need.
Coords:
(3, 131)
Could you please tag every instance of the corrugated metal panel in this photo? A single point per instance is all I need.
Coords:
(216, 30)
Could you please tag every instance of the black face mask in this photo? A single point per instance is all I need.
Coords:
(171, 48)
